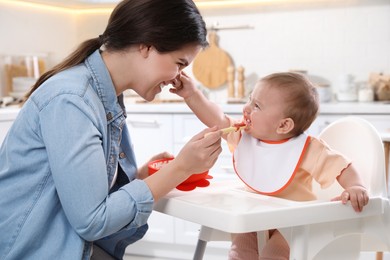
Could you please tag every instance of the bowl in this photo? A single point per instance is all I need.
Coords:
(195, 180)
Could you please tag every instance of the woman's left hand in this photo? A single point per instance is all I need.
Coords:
(143, 171)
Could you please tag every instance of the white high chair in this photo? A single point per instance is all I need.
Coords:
(337, 239)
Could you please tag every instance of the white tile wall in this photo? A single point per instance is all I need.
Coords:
(327, 41)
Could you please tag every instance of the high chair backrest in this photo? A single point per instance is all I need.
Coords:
(358, 140)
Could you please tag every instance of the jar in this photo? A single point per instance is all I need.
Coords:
(21, 70)
(365, 93)
(346, 89)
(324, 93)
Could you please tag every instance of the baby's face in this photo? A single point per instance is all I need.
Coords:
(264, 111)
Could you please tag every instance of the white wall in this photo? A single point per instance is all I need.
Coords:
(36, 30)
(327, 41)
(92, 25)
(29, 30)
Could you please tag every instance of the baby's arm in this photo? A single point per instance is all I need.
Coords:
(208, 112)
(354, 191)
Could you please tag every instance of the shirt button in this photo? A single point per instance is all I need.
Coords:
(109, 116)
(122, 155)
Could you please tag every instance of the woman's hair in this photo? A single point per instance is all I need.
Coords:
(300, 98)
(165, 25)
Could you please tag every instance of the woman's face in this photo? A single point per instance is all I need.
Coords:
(160, 69)
(264, 112)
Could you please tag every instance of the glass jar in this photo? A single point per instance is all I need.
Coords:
(21, 72)
(365, 93)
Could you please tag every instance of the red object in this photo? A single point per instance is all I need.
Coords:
(195, 180)
(238, 125)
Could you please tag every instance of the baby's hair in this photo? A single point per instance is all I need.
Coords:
(300, 98)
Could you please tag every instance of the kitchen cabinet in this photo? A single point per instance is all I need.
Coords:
(153, 133)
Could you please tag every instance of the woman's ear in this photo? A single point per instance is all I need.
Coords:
(286, 125)
(144, 50)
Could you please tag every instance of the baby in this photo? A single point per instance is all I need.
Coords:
(273, 155)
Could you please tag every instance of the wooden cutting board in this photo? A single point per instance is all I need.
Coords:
(211, 64)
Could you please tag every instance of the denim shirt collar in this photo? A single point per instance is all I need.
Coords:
(104, 86)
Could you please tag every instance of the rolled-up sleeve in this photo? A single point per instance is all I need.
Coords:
(143, 201)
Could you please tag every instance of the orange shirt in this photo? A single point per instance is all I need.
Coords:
(319, 163)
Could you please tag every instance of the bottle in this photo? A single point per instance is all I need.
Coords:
(241, 82)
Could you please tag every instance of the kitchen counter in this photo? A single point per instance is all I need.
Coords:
(9, 113)
(350, 108)
(377, 108)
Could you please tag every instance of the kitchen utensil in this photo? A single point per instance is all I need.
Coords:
(241, 82)
(230, 80)
(195, 180)
(233, 128)
(230, 129)
(210, 65)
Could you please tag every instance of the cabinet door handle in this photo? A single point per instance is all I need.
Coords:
(143, 123)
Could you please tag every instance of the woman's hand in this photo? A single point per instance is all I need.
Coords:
(198, 155)
(357, 195)
(143, 171)
(201, 152)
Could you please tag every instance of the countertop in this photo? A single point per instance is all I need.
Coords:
(349, 108)
(325, 108)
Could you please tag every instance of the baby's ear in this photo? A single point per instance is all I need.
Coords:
(286, 125)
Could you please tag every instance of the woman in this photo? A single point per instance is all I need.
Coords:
(69, 184)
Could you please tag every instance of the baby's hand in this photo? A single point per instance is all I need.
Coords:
(357, 195)
(183, 85)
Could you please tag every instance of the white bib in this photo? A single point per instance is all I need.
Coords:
(265, 167)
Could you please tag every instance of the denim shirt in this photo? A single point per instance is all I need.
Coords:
(56, 166)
